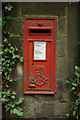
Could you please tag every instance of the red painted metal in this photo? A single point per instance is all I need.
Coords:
(39, 75)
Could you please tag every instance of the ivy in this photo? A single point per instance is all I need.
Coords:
(9, 58)
(8, 8)
(75, 88)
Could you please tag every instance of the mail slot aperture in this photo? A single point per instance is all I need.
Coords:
(39, 55)
(39, 31)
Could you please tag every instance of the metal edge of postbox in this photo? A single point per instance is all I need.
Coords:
(25, 86)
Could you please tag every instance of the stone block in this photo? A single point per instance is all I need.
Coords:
(44, 109)
(70, 65)
(29, 107)
(60, 67)
(60, 46)
(59, 89)
(61, 109)
(62, 26)
(63, 92)
(16, 26)
(16, 10)
(72, 49)
(57, 9)
(72, 44)
(64, 66)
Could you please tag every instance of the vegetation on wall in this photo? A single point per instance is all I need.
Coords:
(75, 88)
(9, 58)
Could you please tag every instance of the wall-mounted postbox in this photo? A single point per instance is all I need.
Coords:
(39, 55)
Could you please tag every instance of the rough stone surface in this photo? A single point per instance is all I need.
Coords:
(62, 28)
(16, 10)
(16, 25)
(79, 34)
(48, 106)
(72, 41)
(18, 41)
(60, 46)
(43, 9)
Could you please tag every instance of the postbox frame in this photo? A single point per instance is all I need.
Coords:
(26, 67)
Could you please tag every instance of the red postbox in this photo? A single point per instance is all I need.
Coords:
(39, 55)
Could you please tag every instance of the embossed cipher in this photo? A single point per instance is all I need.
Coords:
(39, 78)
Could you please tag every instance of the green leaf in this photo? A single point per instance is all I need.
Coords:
(10, 35)
(75, 107)
(73, 88)
(74, 113)
(7, 86)
(77, 73)
(5, 31)
(1, 52)
(6, 40)
(14, 93)
(2, 59)
(74, 83)
(18, 111)
(12, 63)
(3, 23)
(12, 105)
(5, 73)
(9, 44)
(8, 17)
(18, 56)
(21, 99)
(68, 80)
(17, 102)
(0, 45)
(67, 115)
(7, 65)
(10, 80)
(12, 111)
(76, 67)
(21, 59)
(14, 56)
(78, 94)
(16, 48)
(7, 107)
(13, 97)
(11, 47)
(10, 69)
(8, 8)
(6, 56)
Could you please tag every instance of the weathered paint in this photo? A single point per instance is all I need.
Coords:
(41, 73)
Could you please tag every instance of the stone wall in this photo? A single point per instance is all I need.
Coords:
(48, 106)
(78, 32)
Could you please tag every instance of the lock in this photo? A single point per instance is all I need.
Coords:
(40, 24)
(32, 63)
(39, 55)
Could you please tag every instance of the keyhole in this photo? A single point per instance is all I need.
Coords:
(32, 63)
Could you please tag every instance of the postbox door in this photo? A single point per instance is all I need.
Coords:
(39, 56)
(39, 64)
